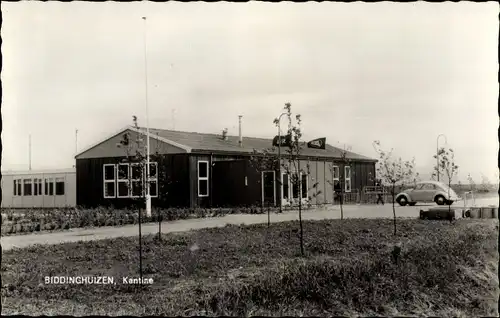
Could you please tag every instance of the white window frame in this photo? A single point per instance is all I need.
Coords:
(36, 191)
(335, 168)
(274, 185)
(132, 181)
(126, 181)
(283, 175)
(109, 181)
(346, 179)
(40, 186)
(31, 186)
(60, 179)
(292, 185)
(152, 179)
(203, 178)
(47, 183)
(307, 186)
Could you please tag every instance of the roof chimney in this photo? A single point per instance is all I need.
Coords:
(241, 138)
(224, 134)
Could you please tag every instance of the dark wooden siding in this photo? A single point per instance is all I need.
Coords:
(182, 185)
(228, 184)
(247, 198)
(90, 188)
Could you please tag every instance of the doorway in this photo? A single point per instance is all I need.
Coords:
(268, 188)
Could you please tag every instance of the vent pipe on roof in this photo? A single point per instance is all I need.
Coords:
(224, 134)
(241, 138)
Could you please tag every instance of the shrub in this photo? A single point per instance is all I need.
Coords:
(9, 229)
(37, 227)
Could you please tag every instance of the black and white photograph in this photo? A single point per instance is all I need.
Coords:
(300, 159)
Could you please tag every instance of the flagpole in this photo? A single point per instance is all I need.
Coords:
(148, 196)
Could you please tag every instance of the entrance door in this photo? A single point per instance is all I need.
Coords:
(268, 188)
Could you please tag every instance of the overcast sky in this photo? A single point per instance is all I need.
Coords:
(399, 73)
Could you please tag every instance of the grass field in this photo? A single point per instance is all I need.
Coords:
(444, 269)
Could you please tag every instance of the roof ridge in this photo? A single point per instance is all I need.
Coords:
(200, 133)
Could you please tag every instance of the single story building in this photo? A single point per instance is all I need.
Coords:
(191, 169)
(39, 188)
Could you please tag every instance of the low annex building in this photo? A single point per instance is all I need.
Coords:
(209, 170)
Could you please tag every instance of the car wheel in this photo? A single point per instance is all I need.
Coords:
(412, 203)
(402, 200)
(440, 200)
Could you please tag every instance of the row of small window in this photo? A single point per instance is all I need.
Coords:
(305, 186)
(126, 180)
(295, 193)
(29, 187)
(347, 177)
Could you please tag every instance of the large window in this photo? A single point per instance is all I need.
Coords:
(286, 186)
(37, 187)
(153, 179)
(347, 177)
(27, 187)
(109, 181)
(304, 186)
(123, 180)
(49, 186)
(335, 173)
(129, 180)
(59, 186)
(203, 178)
(295, 186)
(15, 188)
(136, 178)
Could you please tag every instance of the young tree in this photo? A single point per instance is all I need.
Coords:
(485, 183)
(394, 172)
(136, 177)
(472, 184)
(436, 172)
(449, 168)
(293, 166)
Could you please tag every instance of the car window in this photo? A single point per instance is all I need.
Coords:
(419, 186)
(429, 186)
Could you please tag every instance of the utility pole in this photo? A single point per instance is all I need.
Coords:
(148, 196)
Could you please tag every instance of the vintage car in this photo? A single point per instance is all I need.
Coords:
(427, 191)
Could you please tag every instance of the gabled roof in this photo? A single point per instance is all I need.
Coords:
(201, 142)
(193, 142)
